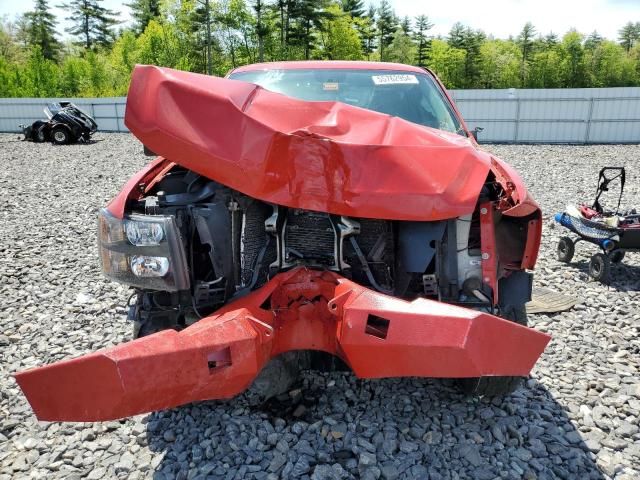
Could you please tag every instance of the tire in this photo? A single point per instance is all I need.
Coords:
(600, 268)
(566, 249)
(60, 136)
(38, 131)
(497, 386)
(617, 256)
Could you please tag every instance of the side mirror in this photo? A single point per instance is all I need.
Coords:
(476, 131)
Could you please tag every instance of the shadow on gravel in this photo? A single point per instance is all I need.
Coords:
(624, 278)
(335, 426)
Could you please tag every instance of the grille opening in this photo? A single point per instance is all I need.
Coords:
(377, 326)
(219, 359)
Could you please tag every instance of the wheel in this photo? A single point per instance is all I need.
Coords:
(617, 256)
(566, 249)
(494, 386)
(38, 131)
(60, 136)
(600, 268)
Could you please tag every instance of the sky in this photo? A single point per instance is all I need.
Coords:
(500, 18)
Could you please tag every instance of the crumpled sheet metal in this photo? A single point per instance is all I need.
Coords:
(219, 356)
(323, 156)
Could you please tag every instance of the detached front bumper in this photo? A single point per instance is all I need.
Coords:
(219, 356)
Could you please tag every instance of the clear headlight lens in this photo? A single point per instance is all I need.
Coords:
(145, 266)
(144, 251)
(143, 233)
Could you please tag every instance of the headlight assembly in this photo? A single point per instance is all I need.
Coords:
(143, 251)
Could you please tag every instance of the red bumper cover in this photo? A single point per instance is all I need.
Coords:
(219, 356)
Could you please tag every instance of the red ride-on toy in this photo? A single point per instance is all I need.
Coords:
(615, 232)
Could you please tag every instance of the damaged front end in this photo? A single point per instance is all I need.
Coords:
(327, 228)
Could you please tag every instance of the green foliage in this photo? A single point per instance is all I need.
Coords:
(402, 48)
(448, 63)
(464, 38)
(340, 39)
(218, 35)
(500, 65)
(572, 64)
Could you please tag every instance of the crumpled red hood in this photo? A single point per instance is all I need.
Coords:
(323, 156)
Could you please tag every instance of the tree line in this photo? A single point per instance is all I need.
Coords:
(97, 55)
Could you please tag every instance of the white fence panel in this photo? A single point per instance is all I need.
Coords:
(579, 115)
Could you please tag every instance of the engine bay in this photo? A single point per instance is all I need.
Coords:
(234, 244)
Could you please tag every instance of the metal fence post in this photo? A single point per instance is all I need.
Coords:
(516, 130)
(589, 115)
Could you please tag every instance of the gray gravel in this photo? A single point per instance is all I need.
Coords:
(577, 419)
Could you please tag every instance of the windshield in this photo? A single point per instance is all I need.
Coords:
(411, 96)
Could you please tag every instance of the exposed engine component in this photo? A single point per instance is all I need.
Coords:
(234, 244)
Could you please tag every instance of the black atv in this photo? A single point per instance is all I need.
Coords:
(66, 124)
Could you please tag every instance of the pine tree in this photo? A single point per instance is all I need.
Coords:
(366, 26)
(386, 24)
(201, 20)
(629, 35)
(91, 22)
(353, 7)
(422, 41)
(143, 11)
(405, 25)
(262, 29)
(457, 36)
(41, 30)
(525, 42)
(307, 15)
(593, 41)
(551, 40)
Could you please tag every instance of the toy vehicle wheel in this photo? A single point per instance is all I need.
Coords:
(566, 249)
(600, 268)
(616, 256)
(60, 136)
(494, 386)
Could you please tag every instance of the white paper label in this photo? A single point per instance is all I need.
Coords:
(394, 79)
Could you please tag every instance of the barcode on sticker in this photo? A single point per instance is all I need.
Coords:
(394, 79)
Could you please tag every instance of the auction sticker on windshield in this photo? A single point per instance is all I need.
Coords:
(394, 79)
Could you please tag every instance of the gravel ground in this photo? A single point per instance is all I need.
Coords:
(577, 418)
